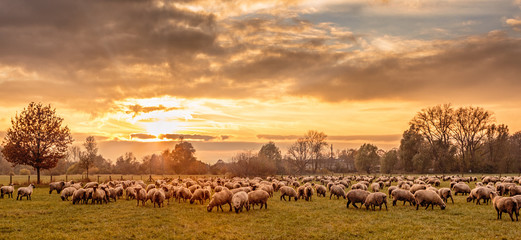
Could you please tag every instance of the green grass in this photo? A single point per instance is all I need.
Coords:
(47, 217)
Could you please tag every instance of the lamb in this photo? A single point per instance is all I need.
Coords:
(67, 192)
(58, 186)
(141, 195)
(25, 192)
(288, 191)
(159, 197)
(505, 204)
(376, 199)
(462, 188)
(426, 197)
(338, 191)
(219, 199)
(356, 196)
(7, 190)
(240, 200)
(403, 195)
(321, 190)
(79, 195)
(199, 194)
(445, 194)
(258, 197)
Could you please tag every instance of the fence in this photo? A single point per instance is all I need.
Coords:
(46, 179)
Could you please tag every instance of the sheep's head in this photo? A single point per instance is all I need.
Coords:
(209, 208)
(442, 206)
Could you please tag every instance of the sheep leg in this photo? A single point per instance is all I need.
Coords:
(330, 195)
(348, 202)
(354, 205)
(453, 200)
(230, 206)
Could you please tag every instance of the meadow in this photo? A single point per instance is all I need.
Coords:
(48, 217)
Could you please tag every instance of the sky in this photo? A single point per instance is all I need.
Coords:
(231, 75)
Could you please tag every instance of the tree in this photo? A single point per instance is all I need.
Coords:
(298, 155)
(389, 161)
(36, 138)
(270, 154)
(181, 157)
(435, 124)
(316, 141)
(87, 157)
(410, 145)
(366, 158)
(471, 124)
(497, 148)
(126, 164)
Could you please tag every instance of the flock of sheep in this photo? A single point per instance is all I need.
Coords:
(245, 193)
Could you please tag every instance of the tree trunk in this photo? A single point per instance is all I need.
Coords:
(37, 175)
(87, 172)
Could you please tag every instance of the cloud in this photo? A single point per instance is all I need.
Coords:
(376, 138)
(138, 109)
(514, 23)
(186, 137)
(142, 136)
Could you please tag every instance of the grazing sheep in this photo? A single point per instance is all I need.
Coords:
(288, 191)
(141, 195)
(375, 187)
(445, 194)
(67, 192)
(7, 190)
(462, 188)
(356, 196)
(219, 199)
(198, 195)
(150, 194)
(240, 200)
(119, 191)
(505, 204)
(58, 186)
(417, 187)
(184, 193)
(403, 195)
(98, 195)
(514, 190)
(376, 199)
(77, 185)
(91, 184)
(308, 193)
(268, 188)
(25, 192)
(426, 197)
(258, 197)
(391, 189)
(159, 197)
(359, 186)
(321, 190)
(338, 191)
(483, 193)
(79, 195)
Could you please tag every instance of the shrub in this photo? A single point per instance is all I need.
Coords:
(24, 171)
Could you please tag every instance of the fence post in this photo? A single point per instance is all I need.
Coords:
(98, 178)
(29, 179)
(51, 179)
(110, 178)
(10, 179)
(66, 178)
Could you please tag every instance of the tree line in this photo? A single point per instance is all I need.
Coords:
(440, 139)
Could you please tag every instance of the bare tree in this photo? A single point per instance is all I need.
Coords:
(298, 155)
(471, 124)
(317, 142)
(87, 157)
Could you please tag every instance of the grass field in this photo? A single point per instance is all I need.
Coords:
(47, 217)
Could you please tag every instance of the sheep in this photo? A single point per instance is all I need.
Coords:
(321, 190)
(150, 186)
(445, 194)
(338, 191)
(268, 188)
(199, 194)
(483, 193)
(240, 200)
(258, 197)
(356, 196)
(76, 185)
(288, 191)
(184, 193)
(359, 186)
(79, 195)
(141, 195)
(461, 187)
(308, 193)
(426, 197)
(150, 194)
(119, 191)
(67, 192)
(514, 190)
(505, 204)
(403, 195)
(219, 199)
(375, 199)
(159, 197)
(7, 190)
(91, 184)
(417, 187)
(58, 186)
(391, 189)
(25, 192)
(375, 187)
(131, 192)
(98, 195)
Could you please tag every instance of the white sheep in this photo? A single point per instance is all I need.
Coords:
(7, 190)
(25, 192)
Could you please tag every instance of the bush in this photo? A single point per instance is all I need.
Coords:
(24, 171)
